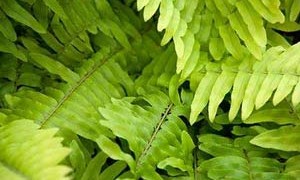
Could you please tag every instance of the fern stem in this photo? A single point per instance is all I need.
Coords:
(154, 134)
(76, 86)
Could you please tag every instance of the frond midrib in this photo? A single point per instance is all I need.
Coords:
(78, 84)
(153, 135)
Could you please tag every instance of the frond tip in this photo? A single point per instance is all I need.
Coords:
(28, 152)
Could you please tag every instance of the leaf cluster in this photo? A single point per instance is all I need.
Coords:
(149, 89)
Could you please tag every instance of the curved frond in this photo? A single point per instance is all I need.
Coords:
(30, 153)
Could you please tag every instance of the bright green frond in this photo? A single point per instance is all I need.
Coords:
(239, 24)
(155, 135)
(30, 153)
(252, 83)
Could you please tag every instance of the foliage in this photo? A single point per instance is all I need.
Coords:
(149, 89)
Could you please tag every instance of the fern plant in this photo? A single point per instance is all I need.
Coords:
(149, 89)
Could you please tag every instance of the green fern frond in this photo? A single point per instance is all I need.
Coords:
(68, 37)
(237, 159)
(130, 101)
(30, 153)
(95, 87)
(221, 27)
(252, 83)
(154, 133)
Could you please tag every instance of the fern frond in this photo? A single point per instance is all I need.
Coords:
(69, 36)
(237, 159)
(30, 153)
(154, 133)
(221, 27)
(94, 88)
(252, 83)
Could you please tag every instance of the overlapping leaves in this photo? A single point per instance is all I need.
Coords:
(79, 65)
(221, 27)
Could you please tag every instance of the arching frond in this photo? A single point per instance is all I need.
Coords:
(30, 153)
